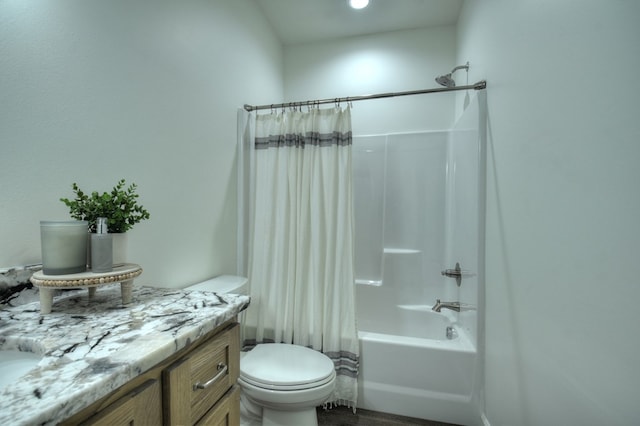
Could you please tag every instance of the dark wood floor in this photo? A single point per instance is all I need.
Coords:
(343, 416)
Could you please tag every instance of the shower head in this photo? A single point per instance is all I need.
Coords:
(445, 80)
(448, 81)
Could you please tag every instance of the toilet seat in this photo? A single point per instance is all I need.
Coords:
(285, 367)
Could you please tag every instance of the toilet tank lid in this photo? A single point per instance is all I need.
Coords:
(222, 284)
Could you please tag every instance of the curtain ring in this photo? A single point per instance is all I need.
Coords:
(273, 110)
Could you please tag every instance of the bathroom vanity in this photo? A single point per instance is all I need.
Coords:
(170, 356)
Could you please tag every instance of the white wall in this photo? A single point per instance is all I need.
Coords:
(94, 91)
(563, 205)
(388, 62)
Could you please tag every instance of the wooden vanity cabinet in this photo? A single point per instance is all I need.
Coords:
(196, 386)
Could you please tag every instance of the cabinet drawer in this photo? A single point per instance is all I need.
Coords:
(226, 412)
(196, 382)
(141, 406)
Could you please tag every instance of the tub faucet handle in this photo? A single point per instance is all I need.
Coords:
(457, 273)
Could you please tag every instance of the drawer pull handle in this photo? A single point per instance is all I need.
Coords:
(222, 368)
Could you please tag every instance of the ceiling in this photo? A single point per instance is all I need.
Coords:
(307, 21)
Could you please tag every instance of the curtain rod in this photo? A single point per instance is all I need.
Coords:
(477, 86)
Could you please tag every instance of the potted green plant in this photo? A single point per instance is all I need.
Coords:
(120, 207)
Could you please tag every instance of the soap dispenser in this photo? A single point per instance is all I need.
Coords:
(101, 248)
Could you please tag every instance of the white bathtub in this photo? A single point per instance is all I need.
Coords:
(409, 367)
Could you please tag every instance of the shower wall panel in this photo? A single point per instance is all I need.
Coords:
(400, 196)
(415, 214)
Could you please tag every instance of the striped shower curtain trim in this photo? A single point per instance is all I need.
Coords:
(346, 363)
(300, 141)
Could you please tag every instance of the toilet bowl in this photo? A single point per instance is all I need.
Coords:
(287, 381)
(281, 384)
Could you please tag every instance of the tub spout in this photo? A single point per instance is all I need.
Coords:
(454, 306)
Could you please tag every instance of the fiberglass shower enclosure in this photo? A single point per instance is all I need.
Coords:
(418, 205)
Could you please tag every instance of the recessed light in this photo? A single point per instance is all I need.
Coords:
(358, 4)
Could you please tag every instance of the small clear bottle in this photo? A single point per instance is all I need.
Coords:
(101, 248)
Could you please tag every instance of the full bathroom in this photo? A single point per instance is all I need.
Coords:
(151, 91)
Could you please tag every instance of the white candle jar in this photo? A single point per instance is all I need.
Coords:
(64, 246)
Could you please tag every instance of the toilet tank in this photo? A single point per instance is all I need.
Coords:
(222, 284)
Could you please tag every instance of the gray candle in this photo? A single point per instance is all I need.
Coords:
(64, 246)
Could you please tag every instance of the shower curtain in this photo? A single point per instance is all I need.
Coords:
(300, 264)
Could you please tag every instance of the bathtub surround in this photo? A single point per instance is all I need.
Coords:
(301, 238)
(418, 212)
(90, 348)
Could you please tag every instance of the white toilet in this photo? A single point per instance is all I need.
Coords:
(280, 383)
(287, 381)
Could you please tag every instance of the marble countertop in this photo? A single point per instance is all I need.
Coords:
(92, 347)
